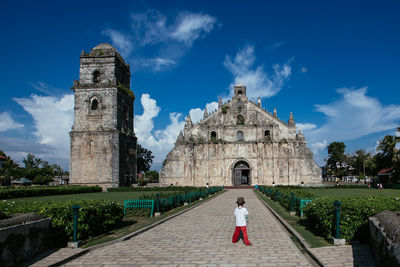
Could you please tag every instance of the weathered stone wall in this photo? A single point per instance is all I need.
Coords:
(207, 151)
(103, 144)
(22, 242)
(95, 158)
(213, 163)
(384, 229)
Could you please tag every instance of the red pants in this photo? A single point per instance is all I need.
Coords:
(236, 235)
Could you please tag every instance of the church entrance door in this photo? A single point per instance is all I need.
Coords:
(241, 174)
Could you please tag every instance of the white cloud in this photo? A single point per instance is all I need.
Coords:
(258, 82)
(317, 148)
(168, 38)
(52, 118)
(353, 116)
(7, 123)
(303, 69)
(306, 126)
(158, 64)
(192, 26)
(121, 41)
(144, 123)
(160, 142)
(149, 27)
(196, 114)
(212, 106)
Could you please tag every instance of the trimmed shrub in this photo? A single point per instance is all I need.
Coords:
(354, 213)
(95, 216)
(282, 194)
(16, 192)
(139, 189)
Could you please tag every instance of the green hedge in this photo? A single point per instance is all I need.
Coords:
(140, 189)
(166, 201)
(95, 216)
(282, 194)
(176, 200)
(16, 192)
(354, 215)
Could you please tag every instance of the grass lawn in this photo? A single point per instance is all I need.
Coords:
(116, 196)
(352, 192)
(296, 223)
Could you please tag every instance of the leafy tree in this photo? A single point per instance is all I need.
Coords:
(144, 159)
(388, 152)
(336, 154)
(153, 175)
(389, 155)
(360, 161)
(37, 170)
(31, 162)
(10, 170)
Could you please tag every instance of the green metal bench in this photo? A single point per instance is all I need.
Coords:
(139, 204)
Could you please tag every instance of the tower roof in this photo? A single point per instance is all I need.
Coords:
(104, 46)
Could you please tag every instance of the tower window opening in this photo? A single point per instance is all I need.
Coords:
(96, 76)
(267, 133)
(91, 144)
(213, 136)
(240, 92)
(94, 104)
(240, 120)
(239, 136)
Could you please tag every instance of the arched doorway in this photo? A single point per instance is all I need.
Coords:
(241, 173)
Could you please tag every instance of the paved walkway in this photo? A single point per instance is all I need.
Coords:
(202, 237)
(57, 256)
(345, 256)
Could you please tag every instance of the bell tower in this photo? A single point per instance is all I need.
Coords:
(103, 143)
(239, 90)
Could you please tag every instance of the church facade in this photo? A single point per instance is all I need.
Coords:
(240, 144)
(103, 143)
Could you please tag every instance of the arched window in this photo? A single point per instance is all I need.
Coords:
(240, 120)
(91, 148)
(96, 76)
(213, 135)
(267, 133)
(240, 92)
(94, 104)
(239, 136)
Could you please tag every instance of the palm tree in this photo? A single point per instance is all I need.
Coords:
(387, 146)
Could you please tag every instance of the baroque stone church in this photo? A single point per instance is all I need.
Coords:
(103, 143)
(240, 144)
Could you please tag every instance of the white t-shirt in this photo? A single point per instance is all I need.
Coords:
(241, 214)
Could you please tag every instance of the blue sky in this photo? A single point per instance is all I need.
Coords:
(334, 64)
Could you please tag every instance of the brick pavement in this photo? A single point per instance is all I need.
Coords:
(57, 256)
(345, 256)
(202, 237)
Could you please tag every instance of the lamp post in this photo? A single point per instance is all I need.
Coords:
(75, 243)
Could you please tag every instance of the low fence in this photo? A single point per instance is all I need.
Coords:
(161, 205)
(290, 202)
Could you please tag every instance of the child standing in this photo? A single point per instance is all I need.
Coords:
(241, 215)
